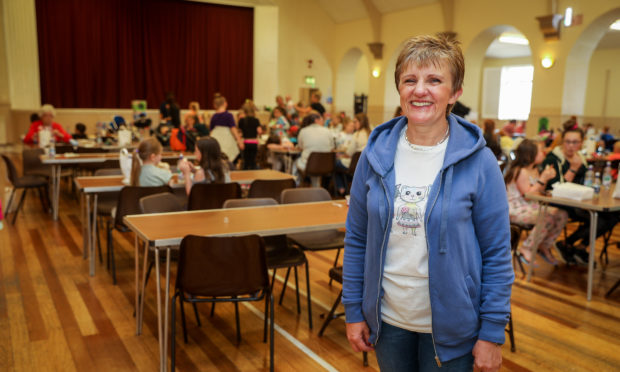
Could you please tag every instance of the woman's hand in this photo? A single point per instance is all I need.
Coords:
(358, 334)
(548, 173)
(185, 167)
(487, 356)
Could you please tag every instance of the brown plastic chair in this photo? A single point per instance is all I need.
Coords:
(319, 165)
(33, 166)
(270, 188)
(212, 195)
(24, 182)
(230, 269)
(279, 253)
(128, 203)
(316, 240)
(335, 273)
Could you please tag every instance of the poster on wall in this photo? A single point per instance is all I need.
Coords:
(139, 108)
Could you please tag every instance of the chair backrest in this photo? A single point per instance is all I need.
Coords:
(11, 171)
(129, 201)
(321, 163)
(160, 203)
(109, 172)
(90, 150)
(354, 160)
(249, 202)
(222, 266)
(270, 188)
(304, 195)
(212, 195)
(31, 160)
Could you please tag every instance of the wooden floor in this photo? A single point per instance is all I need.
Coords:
(53, 316)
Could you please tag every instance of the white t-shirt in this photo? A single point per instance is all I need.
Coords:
(406, 301)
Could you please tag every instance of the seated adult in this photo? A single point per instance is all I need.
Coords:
(313, 137)
(570, 166)
(47, 114)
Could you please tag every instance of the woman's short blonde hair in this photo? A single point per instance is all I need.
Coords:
(47, 108)
(425, 50)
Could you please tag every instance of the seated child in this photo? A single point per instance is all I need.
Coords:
(146, 169)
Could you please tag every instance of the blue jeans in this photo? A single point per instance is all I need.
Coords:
(401, 350)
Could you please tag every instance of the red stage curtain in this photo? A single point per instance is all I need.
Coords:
(103, 54)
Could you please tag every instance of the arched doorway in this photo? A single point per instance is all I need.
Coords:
(578, 63)
(353, 76)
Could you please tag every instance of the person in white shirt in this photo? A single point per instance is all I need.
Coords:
(313, 137)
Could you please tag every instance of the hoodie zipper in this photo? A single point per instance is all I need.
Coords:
(387, 223)
(429, 271)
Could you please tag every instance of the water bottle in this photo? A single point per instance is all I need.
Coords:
(180, 174)
(589, 176)
(597, 185)
(52, 146)
(607, 176)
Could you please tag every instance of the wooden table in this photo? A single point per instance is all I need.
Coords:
(163, 230)
(88, 158)
(89, 187)
(604, 203)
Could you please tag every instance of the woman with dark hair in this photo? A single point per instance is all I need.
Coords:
(213, 168)
(491, 138)
(522, 177)
(169, 111)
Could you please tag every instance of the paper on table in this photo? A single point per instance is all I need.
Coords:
(616, 193)
(572, 191)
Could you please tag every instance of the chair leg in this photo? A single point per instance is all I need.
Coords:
(273, 280)
(237, 322)
(297, 291)
(511, 334)
(182, 303)
(212, 309)
(196, 313)
(612, 289)
(271, 329)
(308, 294)
(113, 260)
(330, 315)
(41, 199)
(288, 272)
(267, 296)
(335, 264)
(365, 356)
(19, 205)
(108, 229)
(99, 243)
(173, 331)
(8, 206)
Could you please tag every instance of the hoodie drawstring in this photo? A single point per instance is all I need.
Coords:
(445, 204)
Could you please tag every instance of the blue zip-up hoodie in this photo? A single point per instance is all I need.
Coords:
(468, 238)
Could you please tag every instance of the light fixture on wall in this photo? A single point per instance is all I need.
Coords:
(376, 72)
(547, 62)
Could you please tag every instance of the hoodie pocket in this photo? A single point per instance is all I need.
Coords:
(461, 321)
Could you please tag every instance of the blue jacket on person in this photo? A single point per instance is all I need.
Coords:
(468, 237)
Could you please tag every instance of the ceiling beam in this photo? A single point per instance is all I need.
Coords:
(448, 14)
(375, 46)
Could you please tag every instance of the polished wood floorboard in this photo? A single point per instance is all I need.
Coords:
(54, 317)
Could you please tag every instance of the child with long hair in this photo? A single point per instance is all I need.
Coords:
(144, 168)
(213, 167)
(523, 177)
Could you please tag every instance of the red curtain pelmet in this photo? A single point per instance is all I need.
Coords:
(104, 54)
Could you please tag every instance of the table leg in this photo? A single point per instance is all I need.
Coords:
(167, 311)
(85, 225)
(593, 223)
(56, 168)
(137, 276)
(87, 239)
(542, 210)
(143, 290)
(93, 237)
(162, 363)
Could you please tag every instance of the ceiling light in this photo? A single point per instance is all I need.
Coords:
(376, 72)
(517, 39)
(615, 26)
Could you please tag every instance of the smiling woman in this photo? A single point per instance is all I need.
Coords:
(441, 293)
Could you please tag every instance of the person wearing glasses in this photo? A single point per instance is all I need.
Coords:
(570, 166)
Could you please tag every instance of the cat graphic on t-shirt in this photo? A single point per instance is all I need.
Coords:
(408, 214)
